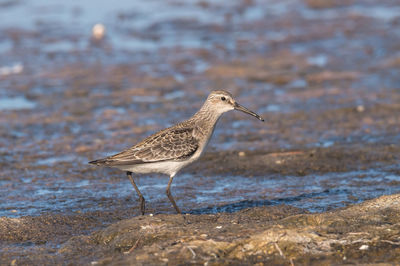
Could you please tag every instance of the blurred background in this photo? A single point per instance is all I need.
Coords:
(84, 79)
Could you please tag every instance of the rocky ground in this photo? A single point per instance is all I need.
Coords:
(318, 182)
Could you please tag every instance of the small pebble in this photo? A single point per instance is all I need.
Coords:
(364, 247)
(82, 148)
(8, 70)
(98, 31)
(360, 108)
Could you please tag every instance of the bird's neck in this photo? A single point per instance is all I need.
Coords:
(206, 118)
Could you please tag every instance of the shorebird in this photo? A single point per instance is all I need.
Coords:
(173, 148)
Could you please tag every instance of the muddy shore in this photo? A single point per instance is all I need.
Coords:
(318, 182)
(228, 233)
(364, 233)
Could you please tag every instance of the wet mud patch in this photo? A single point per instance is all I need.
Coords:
(277, 214)
(260, 235)
(281, 234)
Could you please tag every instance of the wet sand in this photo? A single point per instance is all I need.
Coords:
(324, 76)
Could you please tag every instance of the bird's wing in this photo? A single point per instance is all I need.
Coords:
(171, 144)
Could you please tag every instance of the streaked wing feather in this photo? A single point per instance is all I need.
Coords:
(173, 144)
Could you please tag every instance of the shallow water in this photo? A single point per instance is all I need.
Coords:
(16, 103)
(195, 194)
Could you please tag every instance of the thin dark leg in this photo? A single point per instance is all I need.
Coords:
(141, 198)
(170, 196)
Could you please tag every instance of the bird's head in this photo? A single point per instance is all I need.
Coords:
(222, 101)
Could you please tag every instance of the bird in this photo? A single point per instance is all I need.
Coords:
(171, 149)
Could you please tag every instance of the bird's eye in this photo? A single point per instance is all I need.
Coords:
(223, 98)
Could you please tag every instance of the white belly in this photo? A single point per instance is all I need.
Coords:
(168, 168)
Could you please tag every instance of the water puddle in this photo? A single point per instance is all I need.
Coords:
(60, 46)
(272, 108)
(196, 194)
(318, 60)
(5, 46)
(298, 83)
(16, 103)
(385, 13)
(58, 159)
(315, 193)
(145, 99)
(174, 95)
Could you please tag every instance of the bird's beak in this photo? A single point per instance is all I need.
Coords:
(247, 111)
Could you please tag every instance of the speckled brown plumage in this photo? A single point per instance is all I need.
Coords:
(175, 143)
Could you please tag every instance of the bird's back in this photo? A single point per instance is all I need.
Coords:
(176, 143)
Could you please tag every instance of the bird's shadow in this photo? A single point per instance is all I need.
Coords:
(237, 206)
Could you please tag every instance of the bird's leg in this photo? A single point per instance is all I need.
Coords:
(170, 196)
(141, 198)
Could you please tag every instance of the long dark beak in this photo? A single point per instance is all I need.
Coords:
(247, 111)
